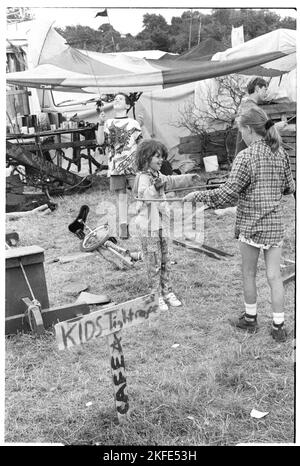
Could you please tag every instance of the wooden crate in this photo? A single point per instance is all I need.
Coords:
(196, 148)
(16, 287)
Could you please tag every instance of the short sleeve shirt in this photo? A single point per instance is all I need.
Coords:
(121, 138)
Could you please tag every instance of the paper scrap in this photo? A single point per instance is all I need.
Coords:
(175, 345)
(89, 403)
(258, 414)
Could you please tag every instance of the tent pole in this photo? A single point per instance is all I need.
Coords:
(190, 33)
(199, 30)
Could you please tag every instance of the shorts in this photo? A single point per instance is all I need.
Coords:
(257, 245)
(121, 182)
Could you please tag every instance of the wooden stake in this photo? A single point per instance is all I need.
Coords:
(117, 366)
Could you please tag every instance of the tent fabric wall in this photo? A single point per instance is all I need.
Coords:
(283, 40)
(161, 111)
(165, 86)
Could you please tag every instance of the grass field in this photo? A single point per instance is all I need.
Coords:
(200, 392)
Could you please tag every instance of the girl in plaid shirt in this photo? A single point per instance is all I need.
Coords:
(260, 176)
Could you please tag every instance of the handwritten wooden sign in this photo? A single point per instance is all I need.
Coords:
(108, 323)
(105, 321)
(117, 368)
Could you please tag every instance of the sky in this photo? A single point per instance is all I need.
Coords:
(124, 20)
(127, 17)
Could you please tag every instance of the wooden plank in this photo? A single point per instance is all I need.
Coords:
(188, 139)
(45, 133)
(117, 367)
(60, 145)
(282, 107)
(105, 322)
(57, 314)
(15, 324)
(19, 322)
(198, 248)
(28, 255)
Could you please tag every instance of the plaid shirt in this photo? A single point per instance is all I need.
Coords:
(258, 180)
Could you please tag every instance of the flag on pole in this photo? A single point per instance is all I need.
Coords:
(102, 13)
(237, 36)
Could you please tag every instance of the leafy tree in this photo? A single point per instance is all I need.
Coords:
(155, 33)
(129, 43)
(84, 37)
(182, 32)
(153, 21)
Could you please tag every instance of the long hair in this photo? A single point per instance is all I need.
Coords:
(146, 149)
(258, 120)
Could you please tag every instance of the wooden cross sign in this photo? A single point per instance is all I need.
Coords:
(108, 322)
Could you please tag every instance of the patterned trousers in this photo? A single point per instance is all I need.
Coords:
(156, 255)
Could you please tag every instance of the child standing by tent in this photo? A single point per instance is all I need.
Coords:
(153, 218)
(120, 135)
(257, 91)
(260, 176)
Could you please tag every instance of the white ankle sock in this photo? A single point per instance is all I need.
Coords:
(278, 318)
(251, 309)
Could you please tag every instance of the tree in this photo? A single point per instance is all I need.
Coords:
(182, 32)
(155, 34)
(223, 97)
(129, 43)
(152, 22)
(84, 37)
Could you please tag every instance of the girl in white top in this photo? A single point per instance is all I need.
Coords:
(120, 136)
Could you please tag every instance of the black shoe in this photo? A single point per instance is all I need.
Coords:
(246, 322)
(77, 226)
(279, 332)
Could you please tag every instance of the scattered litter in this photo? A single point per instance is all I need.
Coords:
(191, 418)
(89, 403)
(258, 414)
(175, 345)
(90, 298)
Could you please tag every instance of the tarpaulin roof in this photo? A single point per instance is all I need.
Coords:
(61, 67)
(203, 51)
(280, 39)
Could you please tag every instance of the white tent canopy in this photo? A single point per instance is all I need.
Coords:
(56, 65)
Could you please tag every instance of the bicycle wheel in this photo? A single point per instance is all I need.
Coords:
(95, 238)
